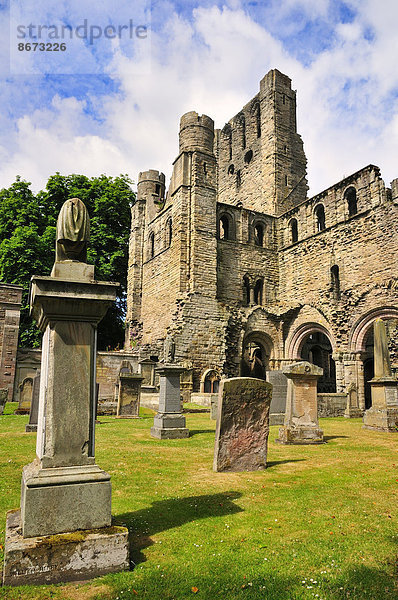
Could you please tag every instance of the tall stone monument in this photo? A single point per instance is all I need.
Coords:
(63, 489)
(301, 424)
(383, 414)
(169, 422)
(242, 424)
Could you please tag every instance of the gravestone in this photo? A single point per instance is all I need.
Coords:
(128, 405)
(383, 414)
(63, 531)
(213, 406)
(147, 370)
(34, 407)
(352, 411)
(301, 424)
(3, 399)
(242, 424)
(25, 396)
(169, 422)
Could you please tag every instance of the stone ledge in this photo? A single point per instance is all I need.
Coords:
(63, 557)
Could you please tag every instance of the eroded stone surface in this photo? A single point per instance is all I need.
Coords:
(169, 422)
(129, 395)
(64, 557)
(242, 425)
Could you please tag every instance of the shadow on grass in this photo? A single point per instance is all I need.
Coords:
(196, 431)
(174, 512)
(275, 463)
(327, 438)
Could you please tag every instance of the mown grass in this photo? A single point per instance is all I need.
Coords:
(320, 523)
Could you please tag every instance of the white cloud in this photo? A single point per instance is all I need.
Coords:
(347, 108)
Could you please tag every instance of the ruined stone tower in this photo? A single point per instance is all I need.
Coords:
(243, 271)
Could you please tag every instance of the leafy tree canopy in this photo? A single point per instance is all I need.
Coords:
(27, 240)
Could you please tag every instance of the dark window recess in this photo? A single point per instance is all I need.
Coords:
(351, 198)
(258, 234)
(246, 291)
(258, 292)
(231, 169)
(152, 245)
(224, 228)
(320, 217)
(248, 156)
(293, 230)
(238, 179)
(157, 189)
(335, 280)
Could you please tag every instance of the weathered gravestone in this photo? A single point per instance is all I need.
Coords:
(25, 396)
(383, 414)
(34, 406)
(169, 422)
(128, 405)
(352, 411)
(242, 424)
(301, 420)
(63, 491)
(3, 399)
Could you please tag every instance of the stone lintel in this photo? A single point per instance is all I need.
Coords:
(64, 557)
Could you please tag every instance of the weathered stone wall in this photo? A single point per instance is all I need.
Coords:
(10, 306)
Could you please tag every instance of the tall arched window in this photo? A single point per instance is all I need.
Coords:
(320, 217)
(258, 234)
(293, 230)
(211, 383)
(169, 232)
(224, 228)
(246, 290)
(227, 133)
(258, 292)
(242, 127)
(335, 280)
(351, 198)
(152, 245)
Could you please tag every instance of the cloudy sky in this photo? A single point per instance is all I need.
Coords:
(111, 101)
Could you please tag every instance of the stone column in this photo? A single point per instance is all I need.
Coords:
(63, 490)
(383, 414)
(169, 422)
(301, 419)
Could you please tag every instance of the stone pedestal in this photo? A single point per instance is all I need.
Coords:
(34, 407)
(63, 490)
(128, 405)
(301, 424)
(169, 422)
(242, 425)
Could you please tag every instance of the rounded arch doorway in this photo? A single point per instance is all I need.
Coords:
(256, 352)
(317, 349)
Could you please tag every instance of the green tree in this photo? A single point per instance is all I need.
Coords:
(27, 231)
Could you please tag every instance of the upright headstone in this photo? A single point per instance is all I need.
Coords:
(242, 424)
(128, 405)
(63, 490)
(3, 399)
(25, 396)
(34, 407)
(352, 410)
(383, 414)
(169, 422)
(146, 368)
(301, 424)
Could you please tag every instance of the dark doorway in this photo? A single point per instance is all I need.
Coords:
(317, 350)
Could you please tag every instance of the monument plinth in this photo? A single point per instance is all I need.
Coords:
(63, 490)
(169, 422)
(301, 424)
(383, 414)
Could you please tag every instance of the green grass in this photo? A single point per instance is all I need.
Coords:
(320, 523)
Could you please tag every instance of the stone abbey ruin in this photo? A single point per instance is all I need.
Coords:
(238, 272)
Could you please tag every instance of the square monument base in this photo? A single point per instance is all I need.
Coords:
(300, 435)
(381, 419)
(64, 499)
(64, 557)
(169, 426)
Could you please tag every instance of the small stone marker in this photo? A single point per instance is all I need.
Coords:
(169, 422)
(352, 410)
(383, 414)
(213, 406)
(25, 396)
(3, 399)
(242, 424)
(63, 531)
(34, 407)
(301, 424)
(128, 405)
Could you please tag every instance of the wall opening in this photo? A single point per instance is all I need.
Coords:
(256, 352)
(351, 198)
(259, 234)
(317, 349)
(169, 232)
(246, 291)
(293, 231)
(152, 245)
(211, 383)
(320, 217)
(335, 282)
(258, 292)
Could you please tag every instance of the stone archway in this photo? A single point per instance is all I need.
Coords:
(257, 349)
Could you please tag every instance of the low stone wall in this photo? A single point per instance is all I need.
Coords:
(203, 399)
(331, 405)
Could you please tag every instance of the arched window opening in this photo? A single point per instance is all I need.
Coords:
(317, 349)
(258, 234)
(335, 279)
(258, 120)
(293, 230)
(227, 132)
(224, 228)
(169, 232)
(238, 179)
(248, 156)
(211, 383)
(152, 245)
(246, 291)
(320, 217)
(351, 197)
(242, 125)
(157, 189)
(231, 169)
(258, 292)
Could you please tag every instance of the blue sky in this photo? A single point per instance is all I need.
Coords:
(113, 105)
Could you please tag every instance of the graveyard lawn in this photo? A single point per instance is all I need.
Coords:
(321, 522)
